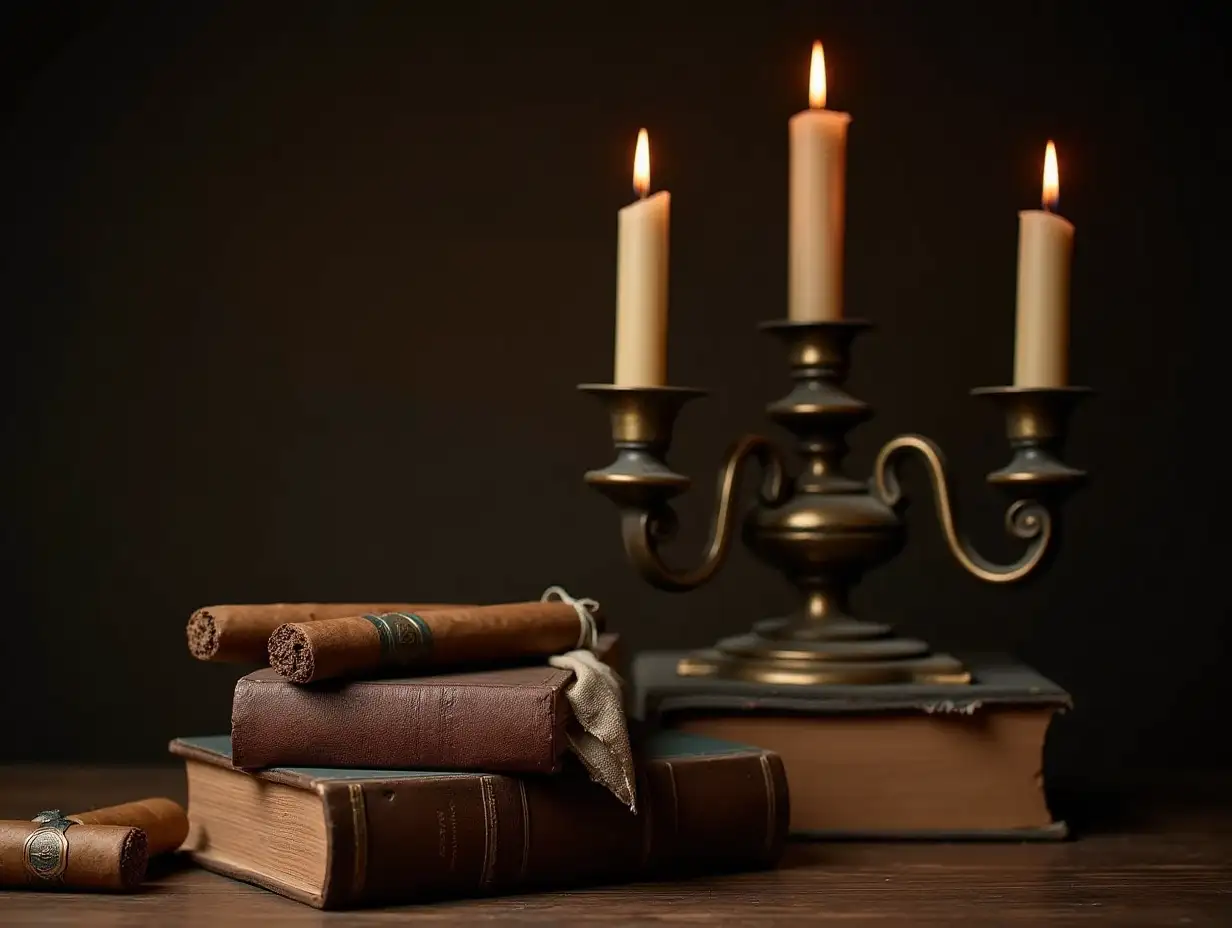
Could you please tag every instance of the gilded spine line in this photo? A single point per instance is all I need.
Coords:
(771, 810)
(490, 832)
(525, 833)
(359, 828)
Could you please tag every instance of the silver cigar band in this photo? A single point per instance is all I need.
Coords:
(46, 850)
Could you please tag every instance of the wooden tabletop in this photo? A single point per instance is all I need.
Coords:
(1171, 870)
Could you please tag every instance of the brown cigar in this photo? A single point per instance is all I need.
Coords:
(89, 857)
(164, 822)
(409, 641)
(240, 634)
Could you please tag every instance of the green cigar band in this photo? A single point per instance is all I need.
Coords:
(406, 639)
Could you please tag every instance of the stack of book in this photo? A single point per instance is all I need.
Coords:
(401, 782)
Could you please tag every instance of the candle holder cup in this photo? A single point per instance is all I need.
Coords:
(822, 528)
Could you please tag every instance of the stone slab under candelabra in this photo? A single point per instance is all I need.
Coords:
(819, 526)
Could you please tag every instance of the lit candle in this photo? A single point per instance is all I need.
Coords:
(641, 280)
(818, 158)
(1045, 243)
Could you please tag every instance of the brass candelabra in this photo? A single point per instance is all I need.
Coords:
(822, 528)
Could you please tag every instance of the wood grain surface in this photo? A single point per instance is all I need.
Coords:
(1167, 868)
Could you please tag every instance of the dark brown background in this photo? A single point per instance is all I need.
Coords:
(297, 295)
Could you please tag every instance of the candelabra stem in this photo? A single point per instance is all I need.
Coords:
(827, 532)
(823, 602)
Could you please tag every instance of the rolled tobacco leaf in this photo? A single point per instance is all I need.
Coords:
(416, 641)
(164, 821)
(239, 634)
(61, 854)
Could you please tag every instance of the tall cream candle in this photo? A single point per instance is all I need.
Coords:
(1045, 246)
(817, 168)
(641, 280)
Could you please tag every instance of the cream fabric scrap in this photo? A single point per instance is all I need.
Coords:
(599, 732)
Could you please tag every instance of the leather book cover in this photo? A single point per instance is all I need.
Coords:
(508, 720)
(401, 836)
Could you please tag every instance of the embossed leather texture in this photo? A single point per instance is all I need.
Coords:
(510, 720)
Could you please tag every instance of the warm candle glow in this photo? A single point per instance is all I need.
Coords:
(641, 164)
(1052, 179)
(817, 79)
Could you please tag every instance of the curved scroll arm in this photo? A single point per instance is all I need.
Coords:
(1026, 519)
(643, 529)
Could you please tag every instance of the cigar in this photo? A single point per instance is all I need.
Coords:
(164, 822)
(36, 855)
(408, 641)
(240, 634)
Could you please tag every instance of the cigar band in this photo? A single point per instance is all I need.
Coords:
(46, 850)
(405, 637)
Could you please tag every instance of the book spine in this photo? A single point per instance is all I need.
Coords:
(391, 726)
(473, 835)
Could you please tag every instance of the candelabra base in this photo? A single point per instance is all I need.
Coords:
(846, 651)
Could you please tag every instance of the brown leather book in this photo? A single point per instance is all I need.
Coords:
(510, 720)
(349, 838)
(898, 761)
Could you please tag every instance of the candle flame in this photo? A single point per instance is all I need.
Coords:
(641, 164)
(817, 78)
(1052, 178)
